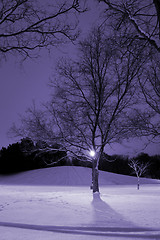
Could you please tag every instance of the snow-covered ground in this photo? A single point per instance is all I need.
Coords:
(57, 203)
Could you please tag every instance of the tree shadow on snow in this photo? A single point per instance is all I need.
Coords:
(104, 215)
(141, 233)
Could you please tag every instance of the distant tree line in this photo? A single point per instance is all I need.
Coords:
(27, 155)
(120, 164)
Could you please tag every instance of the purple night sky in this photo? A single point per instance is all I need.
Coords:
(20, 85)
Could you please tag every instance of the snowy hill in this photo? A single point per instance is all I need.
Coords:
(68, 176)
(56, 203)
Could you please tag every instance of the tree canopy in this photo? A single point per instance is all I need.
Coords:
(27, 25)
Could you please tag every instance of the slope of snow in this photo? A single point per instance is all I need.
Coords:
(68, 176)
(56, 203)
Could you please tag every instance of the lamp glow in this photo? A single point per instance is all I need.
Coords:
(92, 153)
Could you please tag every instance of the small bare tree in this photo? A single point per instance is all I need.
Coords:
(139, 168)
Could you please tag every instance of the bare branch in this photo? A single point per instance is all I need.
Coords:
(27, 26)
(141, 17)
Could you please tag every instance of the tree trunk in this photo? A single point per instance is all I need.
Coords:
(137, 183)
(95, 176)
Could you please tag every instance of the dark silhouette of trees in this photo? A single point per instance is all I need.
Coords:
(26, 155)
(14, 159)
(154, 168)
(115, 164)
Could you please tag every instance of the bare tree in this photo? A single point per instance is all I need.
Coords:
(138, 22)
(141, 16)
(146, 116)
(35, 124)
(139, 168)
(31, 25)
(150, 86)
(92, 97)
(91, 100)
(36, 127)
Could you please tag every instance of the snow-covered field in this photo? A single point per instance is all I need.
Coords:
(57, 203)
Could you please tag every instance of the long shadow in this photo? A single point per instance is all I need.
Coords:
(104, 215)
(96, 231)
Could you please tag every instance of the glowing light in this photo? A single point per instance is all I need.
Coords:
(92, 153)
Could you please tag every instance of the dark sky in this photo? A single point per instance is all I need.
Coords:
(19, 85)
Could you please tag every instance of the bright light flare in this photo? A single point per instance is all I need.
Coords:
(92, 153)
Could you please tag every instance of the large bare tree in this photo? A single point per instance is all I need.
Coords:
(150, 87)
(27, 25)
(93, 96)
(138, 21)
(141, 16)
